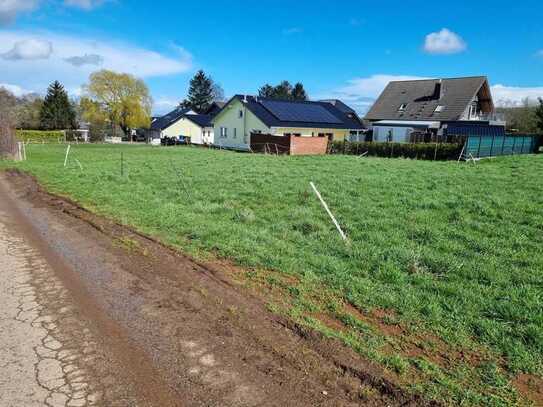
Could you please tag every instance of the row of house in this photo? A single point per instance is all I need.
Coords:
(404, 112)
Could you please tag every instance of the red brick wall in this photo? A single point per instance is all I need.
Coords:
(267, 143)
(308, 145)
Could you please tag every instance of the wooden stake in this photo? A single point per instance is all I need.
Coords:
(462, 152)
(342, 234)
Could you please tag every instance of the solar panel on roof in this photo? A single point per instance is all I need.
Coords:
(300, 112)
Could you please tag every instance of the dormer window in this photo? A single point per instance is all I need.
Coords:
(402, 107)
(439, 109)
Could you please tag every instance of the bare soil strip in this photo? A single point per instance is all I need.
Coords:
(181, 332)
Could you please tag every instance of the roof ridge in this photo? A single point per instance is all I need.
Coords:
(443, 79)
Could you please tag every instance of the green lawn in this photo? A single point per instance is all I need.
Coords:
(454, 250)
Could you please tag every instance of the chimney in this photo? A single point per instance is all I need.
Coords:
(438, 93)
(244, 98)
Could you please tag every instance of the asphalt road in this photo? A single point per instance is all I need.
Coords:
(49, 355)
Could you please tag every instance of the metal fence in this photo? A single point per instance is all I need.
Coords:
(481, 146)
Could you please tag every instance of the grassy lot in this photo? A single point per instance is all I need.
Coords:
(442, 279)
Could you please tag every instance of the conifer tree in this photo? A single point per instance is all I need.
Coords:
(57, 113)
(201, 93)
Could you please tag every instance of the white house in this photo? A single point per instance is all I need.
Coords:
(186, 125)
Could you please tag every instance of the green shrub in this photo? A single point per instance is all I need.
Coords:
(40, 136)
(420, 151)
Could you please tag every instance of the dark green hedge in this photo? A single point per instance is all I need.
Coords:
(420, 151)
(40, 136)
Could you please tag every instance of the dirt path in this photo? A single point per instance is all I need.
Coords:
(164, 330)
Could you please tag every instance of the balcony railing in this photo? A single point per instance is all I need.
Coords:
(491, 117)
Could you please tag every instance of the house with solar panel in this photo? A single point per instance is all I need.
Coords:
(245, 115)
(423, 110)
(185, 126)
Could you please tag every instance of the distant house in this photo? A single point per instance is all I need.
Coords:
(186, 125)
(167, 126)
(244, 115)
(435, 107)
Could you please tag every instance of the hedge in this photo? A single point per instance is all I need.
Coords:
(420, 151)
(40, 136)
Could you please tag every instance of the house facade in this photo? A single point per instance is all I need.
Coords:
(244, 115)
(186, 125)
(408, 110)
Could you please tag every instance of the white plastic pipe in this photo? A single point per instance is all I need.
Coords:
(342, 234)
(66, 158)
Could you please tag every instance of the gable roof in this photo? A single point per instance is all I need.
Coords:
(422, 97)
(301, 114)
(340, 105)
(168, 119)
(202, 120)
(215, 108)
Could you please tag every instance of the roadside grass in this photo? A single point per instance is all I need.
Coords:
(442, 279)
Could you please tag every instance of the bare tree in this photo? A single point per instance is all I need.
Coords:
(8, 141)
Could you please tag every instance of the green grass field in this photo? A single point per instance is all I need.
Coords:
(444, 260)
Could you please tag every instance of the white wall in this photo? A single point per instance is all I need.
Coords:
(239, 129)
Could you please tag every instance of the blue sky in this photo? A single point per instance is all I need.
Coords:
(347, 49)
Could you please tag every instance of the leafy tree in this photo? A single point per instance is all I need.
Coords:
(266, 91)
(29, 112)
(201, 93)
(539, 115)
(283, 91)
(298, 92)
(118, 99)
(521, 118)
(218, 93)
(57, 113)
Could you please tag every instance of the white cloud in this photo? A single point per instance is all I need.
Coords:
(83, 4)
(292, 30)
(10, 8)
(514, 96)
(37, 74)
(16, 90)
(444, 42)
(29, 49)
(164, 105)
(87, 59)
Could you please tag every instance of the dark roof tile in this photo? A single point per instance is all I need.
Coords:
(167, 120)
(302, 114)
(422, 97)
